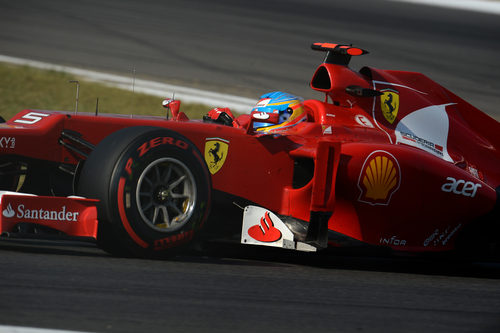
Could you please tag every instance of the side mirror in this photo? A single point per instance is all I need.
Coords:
(173, 106)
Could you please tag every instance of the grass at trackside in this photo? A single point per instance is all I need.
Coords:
(23, 87)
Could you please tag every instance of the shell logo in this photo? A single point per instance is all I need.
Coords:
(379, 178)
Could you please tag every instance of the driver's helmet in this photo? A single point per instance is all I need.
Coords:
(290, 108)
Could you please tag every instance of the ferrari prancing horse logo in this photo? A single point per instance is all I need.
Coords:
(389, 104)
(216, 150)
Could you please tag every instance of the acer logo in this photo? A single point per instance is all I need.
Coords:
(461, 187)
(266, 231)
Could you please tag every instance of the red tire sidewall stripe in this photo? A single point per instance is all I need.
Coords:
(123, 216)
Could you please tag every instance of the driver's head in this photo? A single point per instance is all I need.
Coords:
(290, 108)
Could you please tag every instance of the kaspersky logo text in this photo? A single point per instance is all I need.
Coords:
(24, 213)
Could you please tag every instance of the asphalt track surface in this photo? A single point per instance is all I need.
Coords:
(248, 48)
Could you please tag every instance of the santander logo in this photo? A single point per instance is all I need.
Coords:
(21, 212)
(265, 231)
(8, 212)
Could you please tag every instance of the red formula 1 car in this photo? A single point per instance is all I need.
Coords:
(388, 159)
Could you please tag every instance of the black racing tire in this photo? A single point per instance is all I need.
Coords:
(153, 188)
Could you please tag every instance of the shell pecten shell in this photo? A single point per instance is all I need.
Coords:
(379, 178)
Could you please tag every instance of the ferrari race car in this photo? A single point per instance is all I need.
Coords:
(388, 159)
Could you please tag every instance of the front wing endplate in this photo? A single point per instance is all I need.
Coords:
(263, 227)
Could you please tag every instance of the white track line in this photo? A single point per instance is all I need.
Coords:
(21, 329)
(483, 6)
(185, 94)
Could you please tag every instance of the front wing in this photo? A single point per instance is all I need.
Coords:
(74, 216)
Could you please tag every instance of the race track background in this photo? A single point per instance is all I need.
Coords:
(248, 48)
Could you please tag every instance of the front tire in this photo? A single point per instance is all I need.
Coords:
(154, 190)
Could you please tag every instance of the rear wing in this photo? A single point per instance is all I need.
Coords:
(338, 54)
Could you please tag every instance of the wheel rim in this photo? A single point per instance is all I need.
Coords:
(166, 194)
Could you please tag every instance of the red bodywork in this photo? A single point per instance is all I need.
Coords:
(397, 160)
(71, 216)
